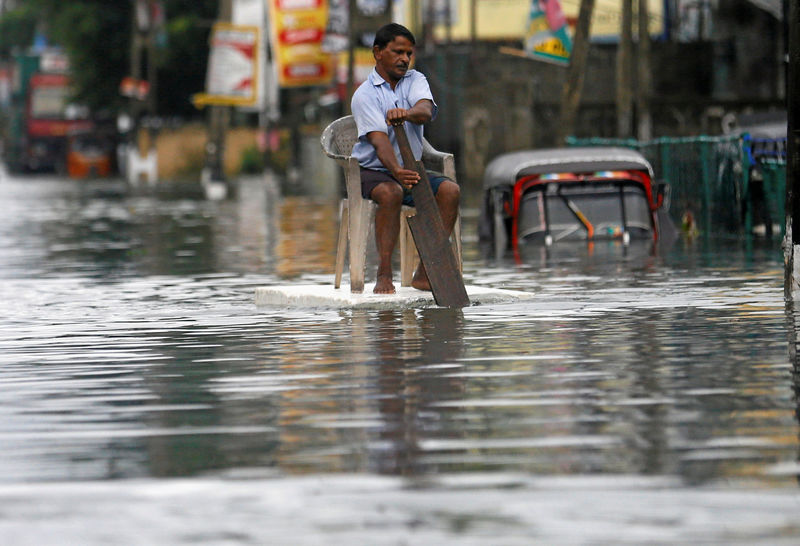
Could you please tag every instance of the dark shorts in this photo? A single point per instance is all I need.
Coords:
(370, 179)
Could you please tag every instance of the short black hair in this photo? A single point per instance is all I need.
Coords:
(389, 32)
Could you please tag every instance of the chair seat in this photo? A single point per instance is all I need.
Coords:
(357, 215)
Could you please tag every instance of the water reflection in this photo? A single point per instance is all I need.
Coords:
(308, 234)
(409, 351)
(131, 347)
(793, 322)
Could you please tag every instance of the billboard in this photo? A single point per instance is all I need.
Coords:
(297, 28)
(547, 36)
(233, 66)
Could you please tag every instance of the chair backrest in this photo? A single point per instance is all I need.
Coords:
(339, 137)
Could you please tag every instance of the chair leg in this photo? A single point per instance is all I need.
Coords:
(360, 223)
(341, 246)
(407, 248)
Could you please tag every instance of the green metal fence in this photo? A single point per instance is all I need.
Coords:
(773, 172)
(708, 178)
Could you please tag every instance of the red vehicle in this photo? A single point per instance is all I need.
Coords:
(88, 155)
(39, 114)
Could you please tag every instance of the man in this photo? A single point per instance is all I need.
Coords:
(393, 94)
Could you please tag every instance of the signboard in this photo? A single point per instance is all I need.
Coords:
(254, 13)
(5, 86)
(133, 88)
(297, 29)
(337, 29)
(233, 66)
(547, 37)
(53, 61)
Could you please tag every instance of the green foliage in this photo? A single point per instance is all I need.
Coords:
(183, 64)
(17, 29)
(252, 161)
(96, 34)
(96, 40)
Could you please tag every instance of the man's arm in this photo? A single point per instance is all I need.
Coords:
(385, 151)
(420, 113)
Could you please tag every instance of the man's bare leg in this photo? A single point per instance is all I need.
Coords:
(389, 197)
(447, 199)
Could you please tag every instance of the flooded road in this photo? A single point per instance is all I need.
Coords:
(145, 399)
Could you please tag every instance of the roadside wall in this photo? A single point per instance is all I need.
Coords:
(181, 151)
(492, 103)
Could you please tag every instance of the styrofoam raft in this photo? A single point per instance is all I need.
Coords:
(326, 296)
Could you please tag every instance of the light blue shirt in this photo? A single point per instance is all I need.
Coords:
(373, 99)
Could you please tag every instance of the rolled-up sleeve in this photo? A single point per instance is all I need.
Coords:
(368, 115)
(419, 89)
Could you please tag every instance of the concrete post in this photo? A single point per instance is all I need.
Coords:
(218, 121)
(645, 78)
(624, 73)
(571, 94)
(792, 239)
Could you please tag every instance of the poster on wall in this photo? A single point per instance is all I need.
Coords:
(297, 28)
(547, 34)
(233, 66)
(337, 29)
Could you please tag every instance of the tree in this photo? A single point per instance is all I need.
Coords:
(96, 35)
(17, 27)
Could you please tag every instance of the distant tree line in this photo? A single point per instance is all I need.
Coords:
(96, 35)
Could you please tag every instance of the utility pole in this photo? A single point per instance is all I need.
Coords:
(152, 72)
(792, 251)
(576, 72)
(142, 93)
(218, 120)
(136, 71)
(473, 21)
(644, 76)
(351, 56)
(625, 73)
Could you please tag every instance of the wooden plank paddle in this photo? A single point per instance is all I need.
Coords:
(429, 234)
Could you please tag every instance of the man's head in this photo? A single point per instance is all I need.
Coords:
(392, 49)
(389, 32)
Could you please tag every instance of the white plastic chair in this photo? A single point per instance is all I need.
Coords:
(357, 214)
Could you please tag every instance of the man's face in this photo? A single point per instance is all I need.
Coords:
(394, 60)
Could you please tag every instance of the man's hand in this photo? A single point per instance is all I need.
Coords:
(396, 116)
(407, 178)
(420, 113)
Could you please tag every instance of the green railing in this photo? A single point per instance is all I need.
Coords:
(708, 178)
(773, 172)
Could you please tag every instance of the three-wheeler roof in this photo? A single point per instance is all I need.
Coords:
(506, 169)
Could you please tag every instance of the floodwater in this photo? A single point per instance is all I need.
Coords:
(145, 399)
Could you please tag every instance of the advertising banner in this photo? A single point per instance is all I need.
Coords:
(547, 35)
(233, 66)
(297, 29)
(5, 86)
(337, 29)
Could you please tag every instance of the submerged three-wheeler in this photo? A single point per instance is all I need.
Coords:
(546, 196)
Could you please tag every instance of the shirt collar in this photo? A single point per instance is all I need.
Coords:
(376, 79)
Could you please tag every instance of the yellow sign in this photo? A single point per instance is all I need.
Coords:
(297, 28)
(552, 47)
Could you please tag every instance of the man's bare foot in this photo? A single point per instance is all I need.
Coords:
(384, 285)
(420, 280)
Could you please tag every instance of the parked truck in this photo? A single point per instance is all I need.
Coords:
(40, 114)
